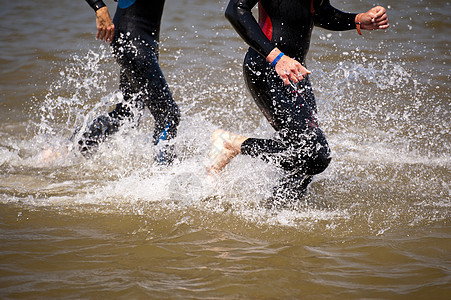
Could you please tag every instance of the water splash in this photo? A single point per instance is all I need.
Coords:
(388, 157)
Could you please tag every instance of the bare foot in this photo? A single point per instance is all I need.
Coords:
(52, 154)
(226, 145)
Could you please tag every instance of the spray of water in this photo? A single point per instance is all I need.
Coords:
(389, 159)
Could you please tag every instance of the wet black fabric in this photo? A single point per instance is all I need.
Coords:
(96, 4)
(292, 22)
(142, 83)
(299, 147)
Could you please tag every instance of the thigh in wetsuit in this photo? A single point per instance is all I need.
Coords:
(300, 147)
(142, 83)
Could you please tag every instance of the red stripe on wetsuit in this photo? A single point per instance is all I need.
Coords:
(264, 21)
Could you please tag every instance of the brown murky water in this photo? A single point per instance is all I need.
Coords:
(375, 225)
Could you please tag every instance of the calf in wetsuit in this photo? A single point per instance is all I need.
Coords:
(279, 84)
(134, 38)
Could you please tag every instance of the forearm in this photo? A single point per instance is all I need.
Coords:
(328, 17)
(95, 4)
(239, 14)
(104, 23)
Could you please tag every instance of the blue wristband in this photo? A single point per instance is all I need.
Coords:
(276, 60)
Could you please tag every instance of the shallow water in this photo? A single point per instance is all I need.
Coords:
(375, 225)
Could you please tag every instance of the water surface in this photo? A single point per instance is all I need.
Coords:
(374, 225)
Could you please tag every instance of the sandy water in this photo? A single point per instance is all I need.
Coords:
(375, 225)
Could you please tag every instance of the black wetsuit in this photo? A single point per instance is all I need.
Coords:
(300, 147)
(142, 83)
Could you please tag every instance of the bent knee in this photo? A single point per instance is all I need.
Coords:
(318, 165)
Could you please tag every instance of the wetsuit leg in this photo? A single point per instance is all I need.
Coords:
(142, 82)
(300, 147)
(135, 46)
(104, 126)
(97, 132)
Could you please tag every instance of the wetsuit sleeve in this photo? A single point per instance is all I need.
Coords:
(328, 17)
(239, 14)
(96, 4)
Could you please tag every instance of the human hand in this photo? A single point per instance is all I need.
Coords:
(287, 68)
(105, 26)
(375, 18)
